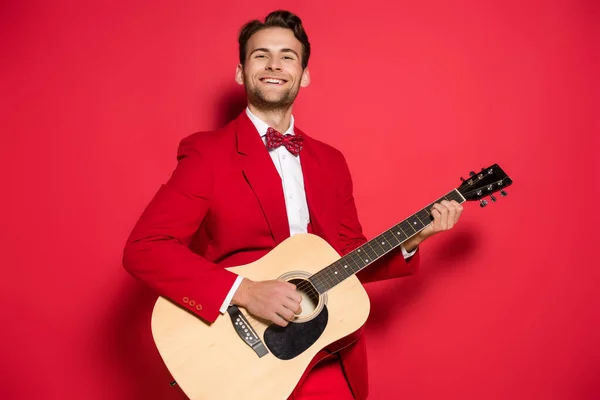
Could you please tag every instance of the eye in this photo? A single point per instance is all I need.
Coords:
(260, 56)
(288, 57)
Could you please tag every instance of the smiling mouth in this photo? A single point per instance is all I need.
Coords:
(273, 81)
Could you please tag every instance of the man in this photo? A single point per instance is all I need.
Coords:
(239, 191)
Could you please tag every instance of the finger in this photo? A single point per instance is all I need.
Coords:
(286, 313)
(440, 207)
(451, 214)
(437, 216)
(444, 218)
(295, 296)
(459, 209)
(294, 306)
(290, 285)
(277, 320)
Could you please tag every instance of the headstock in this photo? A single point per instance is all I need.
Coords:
(485, 183)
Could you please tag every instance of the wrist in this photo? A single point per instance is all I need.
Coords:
(241, 295)
(412, 243)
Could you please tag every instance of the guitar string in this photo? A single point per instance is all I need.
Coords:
(305, 284)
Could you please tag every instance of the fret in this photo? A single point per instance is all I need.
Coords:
(415, 223)
(346, 266)
(345, 269)
(342, 272)
(425, 216)
(370, 251)
(357, 258)
(383, 243)
(363, 257)
(354, 261)
(399, 233)
(334, 273)
(316, 282)
(327, 279)
(374, 244)
(407, 228)
(333, 277)
(321, 283)
(421, 221)
(458, 197)
(391, 238)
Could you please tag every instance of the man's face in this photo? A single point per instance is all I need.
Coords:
(272, 73)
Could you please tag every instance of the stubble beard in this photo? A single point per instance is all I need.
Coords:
(260, 99)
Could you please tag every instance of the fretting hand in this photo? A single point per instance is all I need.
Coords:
(445, 216)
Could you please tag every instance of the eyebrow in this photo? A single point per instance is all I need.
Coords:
(286, 50)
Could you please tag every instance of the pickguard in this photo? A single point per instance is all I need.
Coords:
(288, 342)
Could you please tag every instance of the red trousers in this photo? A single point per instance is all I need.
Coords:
(325, 381)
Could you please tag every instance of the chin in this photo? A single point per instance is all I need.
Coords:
(273, 100)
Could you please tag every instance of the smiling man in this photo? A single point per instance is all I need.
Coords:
(239, 191)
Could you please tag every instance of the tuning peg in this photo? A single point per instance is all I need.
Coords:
(483, 203)
(472, 173)
(503, 193)
(493, 198)
(462, 179)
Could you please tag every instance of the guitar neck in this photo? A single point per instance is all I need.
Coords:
(377, 247)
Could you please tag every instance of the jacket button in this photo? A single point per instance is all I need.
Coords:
(199, 307)
(192, 303)
(186, 299)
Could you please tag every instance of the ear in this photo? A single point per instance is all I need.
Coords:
(239, 74)
(305, 81)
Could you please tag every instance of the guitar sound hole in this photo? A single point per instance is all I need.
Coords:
(310, 297)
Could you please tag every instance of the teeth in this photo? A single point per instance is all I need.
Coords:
(273, 81)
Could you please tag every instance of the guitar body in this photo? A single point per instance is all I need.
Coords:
(211, 361)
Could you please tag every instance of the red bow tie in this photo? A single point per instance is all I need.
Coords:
(291, 142)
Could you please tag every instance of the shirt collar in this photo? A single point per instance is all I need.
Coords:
(262, 126)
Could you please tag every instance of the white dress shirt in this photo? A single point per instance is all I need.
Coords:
(292, 182)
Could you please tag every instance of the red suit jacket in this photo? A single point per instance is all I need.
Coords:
(224, 206)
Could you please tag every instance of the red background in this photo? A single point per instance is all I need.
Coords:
(96, 96)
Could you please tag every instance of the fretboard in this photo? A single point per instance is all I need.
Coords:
(377, 247)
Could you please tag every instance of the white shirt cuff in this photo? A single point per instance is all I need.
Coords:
(406, 254)
(227, 301)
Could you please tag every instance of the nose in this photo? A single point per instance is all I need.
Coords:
(274, 64)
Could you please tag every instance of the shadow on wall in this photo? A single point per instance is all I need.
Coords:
(131, 348)
(230, 104)
(128, 343)
(450, 254)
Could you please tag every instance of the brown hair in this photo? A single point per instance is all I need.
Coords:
(280, 19)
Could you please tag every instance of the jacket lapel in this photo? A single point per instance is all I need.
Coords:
(263, 178)
(319, 192)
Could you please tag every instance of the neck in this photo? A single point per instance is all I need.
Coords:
(278, 119)
(376, 248)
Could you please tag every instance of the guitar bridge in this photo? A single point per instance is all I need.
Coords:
(246, 332)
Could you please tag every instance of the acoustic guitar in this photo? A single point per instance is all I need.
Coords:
(240, 356)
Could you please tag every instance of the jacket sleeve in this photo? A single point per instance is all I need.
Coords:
(157, 251)
(393, 264)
